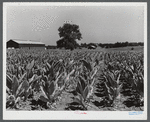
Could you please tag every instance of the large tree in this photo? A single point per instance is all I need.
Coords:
(69, 33)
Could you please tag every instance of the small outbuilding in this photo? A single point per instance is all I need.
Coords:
(14, 43)
(91, 47)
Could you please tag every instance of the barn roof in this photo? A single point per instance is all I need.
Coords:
(26, 41)
(93, 46)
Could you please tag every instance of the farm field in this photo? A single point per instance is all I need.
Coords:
(88, 80)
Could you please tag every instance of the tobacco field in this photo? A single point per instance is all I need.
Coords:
(87, 80)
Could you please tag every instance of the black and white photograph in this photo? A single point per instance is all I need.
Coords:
(75, 61)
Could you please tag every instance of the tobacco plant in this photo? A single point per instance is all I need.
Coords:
(113, 86)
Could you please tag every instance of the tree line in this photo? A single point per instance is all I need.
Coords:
(113, 45)
(102, 45)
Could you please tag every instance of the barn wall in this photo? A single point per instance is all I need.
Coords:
(32, 46)
(11, 44)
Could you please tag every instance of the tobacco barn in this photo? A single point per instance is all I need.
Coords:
(14, 43)
(91, 47)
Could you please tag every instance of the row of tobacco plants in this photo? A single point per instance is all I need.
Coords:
(38, 79)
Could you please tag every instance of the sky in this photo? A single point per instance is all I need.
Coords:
(97, 24)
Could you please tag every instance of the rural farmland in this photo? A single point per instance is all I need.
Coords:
(75, 80)
(81, 57)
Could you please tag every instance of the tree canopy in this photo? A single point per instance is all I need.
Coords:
(69, 33)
